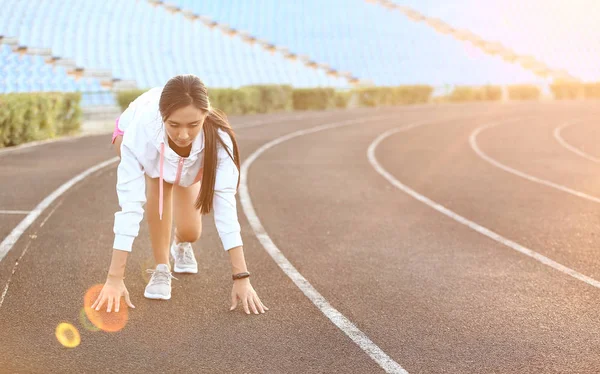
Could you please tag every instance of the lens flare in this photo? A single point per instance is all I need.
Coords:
(67, 335)
(85, 322)
(105, 321)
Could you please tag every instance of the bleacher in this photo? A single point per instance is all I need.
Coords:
(25, 73)
(371, 42)
(145, 43)
(117, 38)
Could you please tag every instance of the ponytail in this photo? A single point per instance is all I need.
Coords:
(216, 120)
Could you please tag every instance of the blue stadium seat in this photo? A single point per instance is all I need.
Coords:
(91, 32)
(135, 40)
(363, 38)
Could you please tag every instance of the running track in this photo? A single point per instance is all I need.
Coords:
(427, 239)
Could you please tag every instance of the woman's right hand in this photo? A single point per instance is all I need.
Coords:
(111, 293)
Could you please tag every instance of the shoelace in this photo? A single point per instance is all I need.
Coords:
(159, 276)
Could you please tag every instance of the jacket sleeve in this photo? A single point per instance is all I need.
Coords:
(224, 203)
(131, 191)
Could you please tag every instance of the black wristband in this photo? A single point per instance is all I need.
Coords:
(240, 275)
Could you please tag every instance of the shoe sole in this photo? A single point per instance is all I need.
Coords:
(156, 296)
(179, 270)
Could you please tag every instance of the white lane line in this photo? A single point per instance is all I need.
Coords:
(482, 230)
(480, 153)
(15, 211)
(343, 323)
(568, 146)
(34, 236)
(51, 213)
(16, 233)
(13, 273)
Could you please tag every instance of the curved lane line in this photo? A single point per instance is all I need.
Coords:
(472, 225)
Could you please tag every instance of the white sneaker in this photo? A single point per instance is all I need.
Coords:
(159, 286)
(183, 256)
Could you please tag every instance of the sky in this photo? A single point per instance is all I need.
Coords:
(564, 34)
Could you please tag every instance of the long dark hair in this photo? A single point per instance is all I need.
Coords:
(181, 91)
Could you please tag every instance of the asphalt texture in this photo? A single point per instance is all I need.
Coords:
(432, 293)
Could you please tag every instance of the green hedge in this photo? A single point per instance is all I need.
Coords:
(568, 91)
(392, 96)
(341, 99)
(313, 98)
(124, 98)
(252, 99)
(475, 93)
(230, 100)
(245, 100)
(592, 90)
(269, 98)
(523, 92)
(276, 98)
(26, 117)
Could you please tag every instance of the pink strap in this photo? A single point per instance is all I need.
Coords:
(117, 131)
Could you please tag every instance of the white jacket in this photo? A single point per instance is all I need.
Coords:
(143, 140)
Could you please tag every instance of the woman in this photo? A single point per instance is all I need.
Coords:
(178, 151)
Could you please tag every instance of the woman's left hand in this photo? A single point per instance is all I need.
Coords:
(242, 290)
